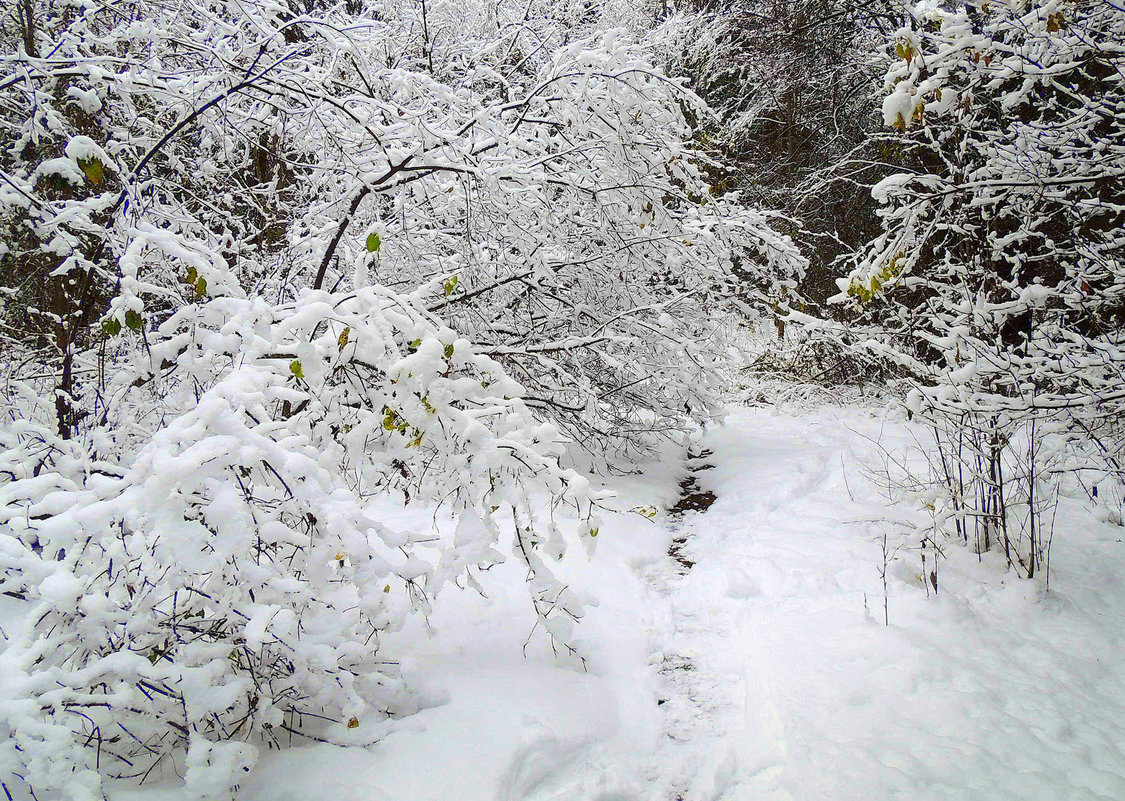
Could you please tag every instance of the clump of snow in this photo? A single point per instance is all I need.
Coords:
(82, 148)
(87, 99)
(64, 168)
(899, 105)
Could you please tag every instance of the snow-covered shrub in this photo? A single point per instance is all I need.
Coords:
(203, 570)
(584, 248)
(997, 282)
(801, 369)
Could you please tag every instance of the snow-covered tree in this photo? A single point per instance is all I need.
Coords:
(204, 566)
(552, 187)
(998, 281)
(557, 194)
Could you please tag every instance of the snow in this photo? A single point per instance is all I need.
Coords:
(992, 689)
(88, 101)
(765, 671)
(898, 109)
(65, 168)
(61, 588)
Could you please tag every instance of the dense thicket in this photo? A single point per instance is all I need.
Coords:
(997, 283)
(793, 84)
(264, 263)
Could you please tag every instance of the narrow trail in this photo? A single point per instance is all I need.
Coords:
(693, 498)
(724, 733)
(688, 699)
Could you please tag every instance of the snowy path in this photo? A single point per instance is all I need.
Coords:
(763, 673)
(752, 608)
(991, 690)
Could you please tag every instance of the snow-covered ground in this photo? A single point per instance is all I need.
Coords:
(765, 671)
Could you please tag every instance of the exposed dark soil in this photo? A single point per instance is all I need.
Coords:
(692, 499)
(676, 552)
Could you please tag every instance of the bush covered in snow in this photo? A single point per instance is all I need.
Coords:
(997, 282)
(204, 566)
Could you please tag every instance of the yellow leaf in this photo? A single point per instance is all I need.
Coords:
(93, 170)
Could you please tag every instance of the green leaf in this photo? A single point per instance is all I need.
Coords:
(450, 285)
(201, 286)
(296, 369)
(112, 326)
(448, 351)
(133, 320)
(373, 243)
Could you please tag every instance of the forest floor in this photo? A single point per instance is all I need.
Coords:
(749, 651)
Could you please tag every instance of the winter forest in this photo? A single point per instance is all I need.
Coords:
(528, 400)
